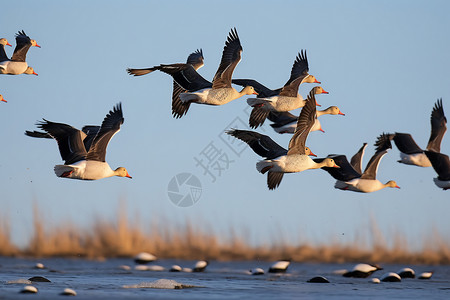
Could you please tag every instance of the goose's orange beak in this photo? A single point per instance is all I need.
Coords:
(312, 154)
(8, 44)
(128, 175)
(324, 92)
(317, 104)
(316, 81)
(37, 45)
(34, 73)
(3, 100)
(336, 166)
(340, 113)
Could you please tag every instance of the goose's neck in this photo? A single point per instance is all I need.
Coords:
(323, 112)
(243, 92)
(319, 165)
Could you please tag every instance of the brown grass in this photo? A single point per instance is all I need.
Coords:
(123, 238)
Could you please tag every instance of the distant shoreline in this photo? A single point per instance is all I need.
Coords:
(122, 238)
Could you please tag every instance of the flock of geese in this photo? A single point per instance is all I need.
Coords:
(84, 151)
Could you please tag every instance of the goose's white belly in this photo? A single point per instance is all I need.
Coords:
(284, 103)
(361, 185)
(417, 159)
(88, 170)
(13, 67)
(292, 163)
(211, 96)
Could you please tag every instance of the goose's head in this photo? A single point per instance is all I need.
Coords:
(34, 44)
(30, 71)
(249, 90)
(309, 152)
(311, 79)
(4, 42)
(122, 172)
(392, 184)
(334, 110)
(2, 99)
(319, 90)
(329, 162)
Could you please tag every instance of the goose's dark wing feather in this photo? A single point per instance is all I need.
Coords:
(281, 118)
(406, 144)
(69, 139)
(23, 43)
(110, 126)
(438, 127)
(345, 172)
(231, 56)
(91, 131)
(260, 144)
(186, 76)
(263, 91)
(440, 163)
(3, 55)
(298, 73)
(196, 59)
(274, 179)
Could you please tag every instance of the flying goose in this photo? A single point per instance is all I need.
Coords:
(349, 176)
(85, 162)
(201, 91)
(410, 152)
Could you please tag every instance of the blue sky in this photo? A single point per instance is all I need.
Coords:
(385, 63)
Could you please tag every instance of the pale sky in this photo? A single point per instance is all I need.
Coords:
(385, 63)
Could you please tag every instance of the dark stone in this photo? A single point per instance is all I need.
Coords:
(38, 279)
(318, 279)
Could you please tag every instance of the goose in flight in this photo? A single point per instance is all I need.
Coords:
(84, 156)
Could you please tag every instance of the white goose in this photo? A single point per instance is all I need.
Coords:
(296, 159)
(81, 161)
(201, 91)
(179, 108)
(349, 176)
(17, 64)
(285, 122)
(285, 99)
(410, 152)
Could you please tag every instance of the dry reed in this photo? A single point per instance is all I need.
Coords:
(122, 238)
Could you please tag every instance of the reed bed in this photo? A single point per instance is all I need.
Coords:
(124, 238)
